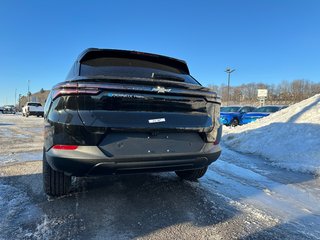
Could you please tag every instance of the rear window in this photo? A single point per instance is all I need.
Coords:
(125, 62)
(35, 104)
(126, 67)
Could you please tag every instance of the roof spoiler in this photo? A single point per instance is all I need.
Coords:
(92, 53)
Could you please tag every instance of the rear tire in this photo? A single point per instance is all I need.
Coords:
(54, 183)
(192, 175)
(235, 122)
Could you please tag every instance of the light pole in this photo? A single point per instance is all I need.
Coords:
(28, 91)
(15, 98)
(229, 71)
(19, 101)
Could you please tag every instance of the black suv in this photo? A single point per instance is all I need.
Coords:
(128, 112)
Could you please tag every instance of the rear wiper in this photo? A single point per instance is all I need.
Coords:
(166, 77)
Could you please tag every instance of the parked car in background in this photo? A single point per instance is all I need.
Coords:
(260, 113)
(121, 112)
(231, 115)
(9, 109)
(32, 109)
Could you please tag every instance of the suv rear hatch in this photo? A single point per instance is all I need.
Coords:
(149, 97)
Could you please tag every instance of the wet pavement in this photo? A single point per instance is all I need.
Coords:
(240, 197)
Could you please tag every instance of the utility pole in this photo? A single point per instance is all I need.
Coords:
(229, 71)
(19, 100)
(15, 97)
(28, 91)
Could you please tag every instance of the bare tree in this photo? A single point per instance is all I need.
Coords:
(284, 93)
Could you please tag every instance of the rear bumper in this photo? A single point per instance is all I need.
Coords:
(8, 112)
(32, 113)
(90, 160)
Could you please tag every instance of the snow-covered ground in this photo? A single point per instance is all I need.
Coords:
(289, 138)
(21, 139)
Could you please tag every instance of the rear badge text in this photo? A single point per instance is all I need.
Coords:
(157, 120)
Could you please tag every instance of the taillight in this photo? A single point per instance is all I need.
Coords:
(65, 147)
(74, 88)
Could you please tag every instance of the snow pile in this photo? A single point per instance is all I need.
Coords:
(289, 138)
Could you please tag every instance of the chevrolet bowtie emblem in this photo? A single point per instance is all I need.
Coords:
(159, 89)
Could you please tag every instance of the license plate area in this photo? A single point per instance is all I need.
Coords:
(138, 143)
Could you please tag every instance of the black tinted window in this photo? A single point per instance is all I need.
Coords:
(103, 63)
(124, 67)
(35, 104)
